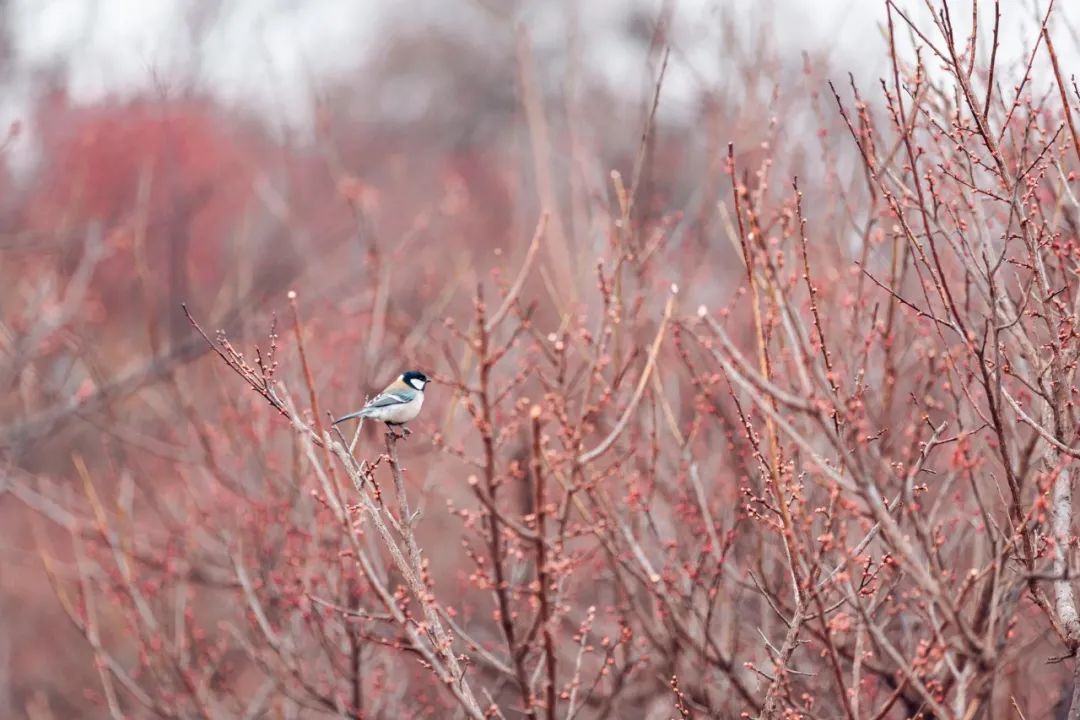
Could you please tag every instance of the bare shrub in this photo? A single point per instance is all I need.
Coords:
(796, 441)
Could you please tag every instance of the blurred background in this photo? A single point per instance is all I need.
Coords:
(274, 59)
(220, 154)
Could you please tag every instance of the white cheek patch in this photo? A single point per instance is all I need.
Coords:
(416, 383)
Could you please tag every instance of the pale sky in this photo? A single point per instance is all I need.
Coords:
(266, 55)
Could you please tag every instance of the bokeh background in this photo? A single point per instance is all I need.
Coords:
(221, 154)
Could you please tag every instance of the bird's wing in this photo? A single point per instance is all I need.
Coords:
(387, 399)
(382, 400)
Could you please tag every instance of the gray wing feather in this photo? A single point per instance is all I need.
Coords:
(388, 399)
(381, 400)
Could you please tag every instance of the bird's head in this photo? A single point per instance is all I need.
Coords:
(415, 379)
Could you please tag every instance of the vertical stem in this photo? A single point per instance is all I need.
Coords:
(1061, 520)
(415, 576)
(541, 563)
(774, 462)
(312, 396)
(494, 525)
(1065, 106)
(356, 648)
(1074, 702)
(771, 707)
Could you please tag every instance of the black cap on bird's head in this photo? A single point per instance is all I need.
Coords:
(415, 379)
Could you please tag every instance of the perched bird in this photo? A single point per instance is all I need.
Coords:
(398, 404)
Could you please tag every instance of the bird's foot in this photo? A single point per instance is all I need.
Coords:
(404, 433)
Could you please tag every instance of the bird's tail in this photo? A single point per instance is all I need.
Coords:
(350, 416)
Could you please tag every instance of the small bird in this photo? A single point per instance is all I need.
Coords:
(398, 404)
